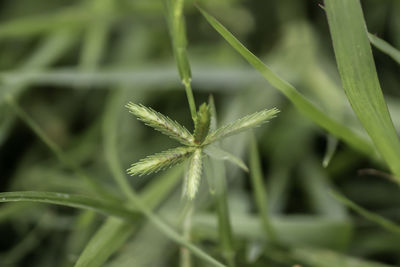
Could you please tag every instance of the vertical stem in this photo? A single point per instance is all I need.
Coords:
(260, 195)
(179, 43)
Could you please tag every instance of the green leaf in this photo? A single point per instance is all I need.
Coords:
(385, 223)
(161, 123)
(385, 47)
(160, 161)
(70, 200)
(301, 103)
(359, 78)
(112, 234)
(243, 124)
(220, 154)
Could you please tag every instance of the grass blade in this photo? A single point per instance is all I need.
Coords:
(385, 223)
(385, 47)
(112, 234)
(302, 104)
(359, 78)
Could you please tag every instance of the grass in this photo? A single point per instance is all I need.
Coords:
(85, 184)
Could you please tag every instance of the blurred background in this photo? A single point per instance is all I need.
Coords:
(71, 66)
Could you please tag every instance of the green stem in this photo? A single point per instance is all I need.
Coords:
(190, 98)
(260, 195)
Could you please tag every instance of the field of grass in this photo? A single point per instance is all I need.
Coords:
(200, 133)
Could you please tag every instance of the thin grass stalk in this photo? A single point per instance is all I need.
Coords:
(260, 194)
(179, 42)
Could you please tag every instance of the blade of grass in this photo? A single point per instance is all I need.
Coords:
(359, 78)
(302, 104)
(260, 194)
(385, 47)
(111, 236)
(385, 223)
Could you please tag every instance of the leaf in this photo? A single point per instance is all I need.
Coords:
(331, 146)
(160, 161)
(220, 154)
(161, 123)
(359, 78)
(107, 208)
(385, 47)
(193, 174)
(70, 200)
(243, 124)
(300, 102)
(111, 235)
(385, 223)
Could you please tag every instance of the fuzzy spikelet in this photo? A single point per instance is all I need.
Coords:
(240, 125)
(193, 174)
(202, 123)
(160, 161)
(161, 123)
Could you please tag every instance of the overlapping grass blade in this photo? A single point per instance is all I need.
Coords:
(359, 78)
(385, 223)
(304, 105)
(385, 47)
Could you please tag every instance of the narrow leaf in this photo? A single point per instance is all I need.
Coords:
(385, 47)
(160, 161)
(359, 78)
(243, 124)
(373, 217)
(194, 174)
(161, 123)
(112, 234)
(220, 154)
(301, 103)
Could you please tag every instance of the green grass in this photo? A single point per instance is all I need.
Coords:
(83, 183)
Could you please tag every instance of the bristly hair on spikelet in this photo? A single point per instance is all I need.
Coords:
(195, 145)
(161, 123)
(160, 161)
(193, 174)
(243, 124)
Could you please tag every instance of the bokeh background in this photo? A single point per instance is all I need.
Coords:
(71, 66)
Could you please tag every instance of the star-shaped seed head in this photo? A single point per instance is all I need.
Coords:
(195, 145)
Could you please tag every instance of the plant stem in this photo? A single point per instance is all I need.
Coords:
(179, 43)
(260, 194)
(187, 226)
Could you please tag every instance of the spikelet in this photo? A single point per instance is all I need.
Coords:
(161, 123)
(202, 123)
(193, 174)
(240, 125)
(160, 161)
